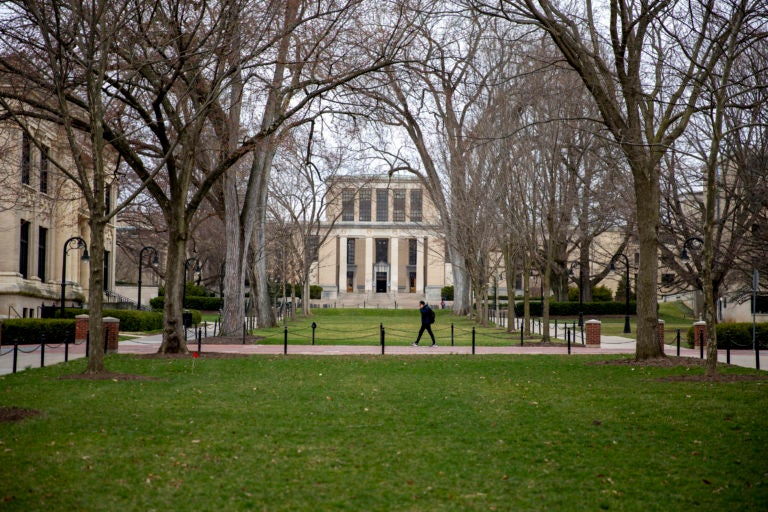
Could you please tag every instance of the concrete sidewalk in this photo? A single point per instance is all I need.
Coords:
(31, 356)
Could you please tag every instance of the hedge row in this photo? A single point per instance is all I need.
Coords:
(573, 308)
(193, 302)
(739, 334)
(30, 331)
(131, 320)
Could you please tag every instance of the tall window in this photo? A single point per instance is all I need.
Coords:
(44, 170)
(347, 204)
(382, 205)
(365, 205)
(314, 245)
(26, 158)
(416, 205)
(106, 270)
(412, 251)
(42, 252)
(398, 205)
(382, 250)
(108, 199)
(24, 249)
(350, 251)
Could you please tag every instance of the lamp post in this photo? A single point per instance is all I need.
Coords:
(75, 242)
(154, 261)
(684, 257)
(626, 291)
(581, 291)
(186, 267)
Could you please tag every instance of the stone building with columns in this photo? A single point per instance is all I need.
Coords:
(384, 244)
(41, 210)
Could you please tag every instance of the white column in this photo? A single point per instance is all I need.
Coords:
(368, 264)
(419, 265)
(342, 265)
(393, 264)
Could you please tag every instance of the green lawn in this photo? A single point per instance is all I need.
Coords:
(380, 433)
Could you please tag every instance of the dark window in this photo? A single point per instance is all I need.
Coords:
(416, 205)
(382, 205)
(44, 170)
(24, 249)
(398, 205)
(365, 205)
(106, 270)
(313, 246)
(108, 199)
(42, 252)
(412, 251)
(382, 250)
(350, 251)
(347, 204)
(762, 304)
(26, 158)
(667, 279)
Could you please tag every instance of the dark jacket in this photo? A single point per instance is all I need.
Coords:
(426, 314)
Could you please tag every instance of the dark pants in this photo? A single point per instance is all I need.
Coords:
(428, 328)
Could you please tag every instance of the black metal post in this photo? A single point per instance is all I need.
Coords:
(701, 344)
(66, 350)
(473, 340)
(199, 340)
(728, 348)
(314, 326)
(87, 344)
(382, 339)
(627, 290)
(451, 333)
(522, 334)
(556, 327)
(678, 343)
(15, 355)
(42, 351)
(80, 244)
(568, 338)
(285, 340)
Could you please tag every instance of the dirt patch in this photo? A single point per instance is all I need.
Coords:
(12, 414)
(684, 362)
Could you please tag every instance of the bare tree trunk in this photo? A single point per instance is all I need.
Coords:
(96, 297)
(173, 330)
(647, 346)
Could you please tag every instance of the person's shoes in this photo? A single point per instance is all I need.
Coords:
(414, 344)
(433, 345)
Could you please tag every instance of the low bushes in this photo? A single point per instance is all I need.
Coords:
(738, 334)
(130, 320)
(32, 331)
(193, 302)
(573, 308)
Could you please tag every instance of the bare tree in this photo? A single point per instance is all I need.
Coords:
(645, 67)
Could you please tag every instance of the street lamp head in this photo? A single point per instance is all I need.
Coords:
(155, 260)
(684, 254)
(85, 256)
(612, 268)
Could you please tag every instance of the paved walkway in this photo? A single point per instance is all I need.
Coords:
(31, 356)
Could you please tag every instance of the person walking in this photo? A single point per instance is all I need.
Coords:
(427, 319)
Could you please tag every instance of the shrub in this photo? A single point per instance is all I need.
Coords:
(446, 292)
(131, 320)
(30, 331)
(599, 294)
(191, 302)
(573, 309)
(738, 333)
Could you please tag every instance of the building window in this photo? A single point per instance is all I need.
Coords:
(108, 199)
(412, 245)
(26, 158)
(382, 250)
(350, 251)
(44, 170)
(42, 252)
(398, 205)
(382, 205)
(106, 270)
(24, 249)
(314, 245)
(347, 204)
(365, 205)
(416, 205)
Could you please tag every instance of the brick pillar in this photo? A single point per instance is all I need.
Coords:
(660, 335)
(699, 332)
(111, 328)
(593, 332)
(81, 328)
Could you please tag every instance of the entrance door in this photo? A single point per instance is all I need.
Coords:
(350, 281)
(412, 282)
(381, 282)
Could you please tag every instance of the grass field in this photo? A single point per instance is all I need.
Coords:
(377, 433)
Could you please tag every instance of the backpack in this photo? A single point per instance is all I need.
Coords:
(431, 315)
